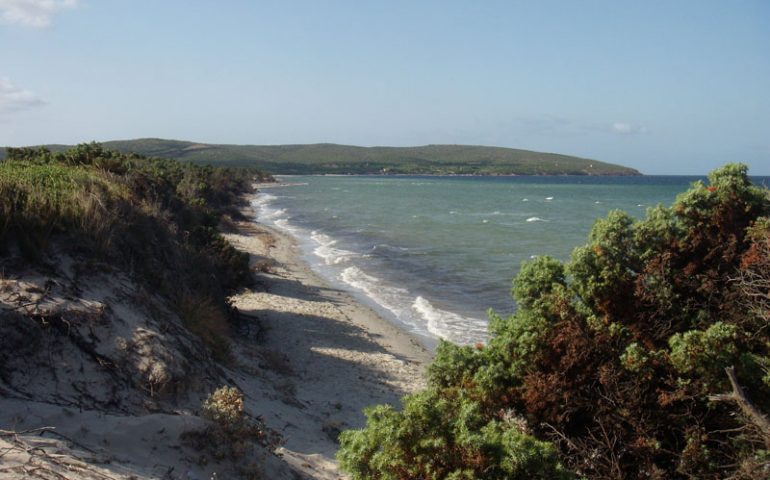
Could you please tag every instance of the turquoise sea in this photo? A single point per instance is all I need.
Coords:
(432, 254)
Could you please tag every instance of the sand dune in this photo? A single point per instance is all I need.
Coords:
(122, 381)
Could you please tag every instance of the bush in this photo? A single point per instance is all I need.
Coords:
(436, 437)
(224, 407)
(612, 359)
(231, 433)
(155, 218)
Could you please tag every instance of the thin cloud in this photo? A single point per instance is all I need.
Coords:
(14, 99)
(33, 13)
(623, 128)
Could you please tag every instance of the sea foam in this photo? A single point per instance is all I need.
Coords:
(448, 325)
(327, 251)
(388, 297)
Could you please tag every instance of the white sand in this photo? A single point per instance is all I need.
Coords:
(343, 355)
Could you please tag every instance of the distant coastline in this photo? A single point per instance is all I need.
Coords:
(327, 158)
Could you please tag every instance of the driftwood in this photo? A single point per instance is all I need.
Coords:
(755, 416)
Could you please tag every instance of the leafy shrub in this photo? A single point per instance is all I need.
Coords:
(156, 218)
(437, 437)
(611, 358)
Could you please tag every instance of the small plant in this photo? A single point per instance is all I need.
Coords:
(264, 266)
(224, 407)
(231, 433)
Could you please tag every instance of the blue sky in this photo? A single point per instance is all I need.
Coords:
(666, 87)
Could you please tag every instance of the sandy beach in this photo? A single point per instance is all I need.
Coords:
(329, 355)
(308, 359)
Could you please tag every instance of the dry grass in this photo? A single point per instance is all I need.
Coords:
(276, 361)
(231, 433)
(208, 321)
(265, 265)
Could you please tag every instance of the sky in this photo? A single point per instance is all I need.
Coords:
(667, 87)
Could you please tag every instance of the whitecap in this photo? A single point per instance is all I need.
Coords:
(535, 219)
(282, 223)
(274, 213)
(391, 298)
(327, 251)
(449, 325)
(549, 198)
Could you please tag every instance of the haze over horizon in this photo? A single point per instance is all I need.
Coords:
(663, 87)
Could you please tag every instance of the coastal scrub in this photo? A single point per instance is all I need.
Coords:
(644, 356)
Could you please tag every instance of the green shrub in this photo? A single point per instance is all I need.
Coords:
(442, 438)
(156, 218)
(611, 358)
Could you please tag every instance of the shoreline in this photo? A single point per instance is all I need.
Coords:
(425, 316)
(327, 355)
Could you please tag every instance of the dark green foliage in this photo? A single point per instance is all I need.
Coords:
(156, 218)
(608, 364)
(328, 158)
(439, 436)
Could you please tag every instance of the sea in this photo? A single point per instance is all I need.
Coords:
(434, 254)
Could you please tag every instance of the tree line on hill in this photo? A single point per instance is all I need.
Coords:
(327, 158)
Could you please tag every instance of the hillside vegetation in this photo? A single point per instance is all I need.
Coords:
(647, 355)
(344, 159)
(156, 218)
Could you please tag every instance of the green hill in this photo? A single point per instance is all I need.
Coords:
(328, 158)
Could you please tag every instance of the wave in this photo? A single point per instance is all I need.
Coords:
(265, 212)
(535, 219)
(448, 325)
(389, 297)
(327, 251)
(275, 213)
(387, 247)
(263, 199)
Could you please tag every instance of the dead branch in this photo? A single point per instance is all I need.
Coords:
(738, 396)
(13, 433)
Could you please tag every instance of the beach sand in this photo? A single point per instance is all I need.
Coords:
(330, 354)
